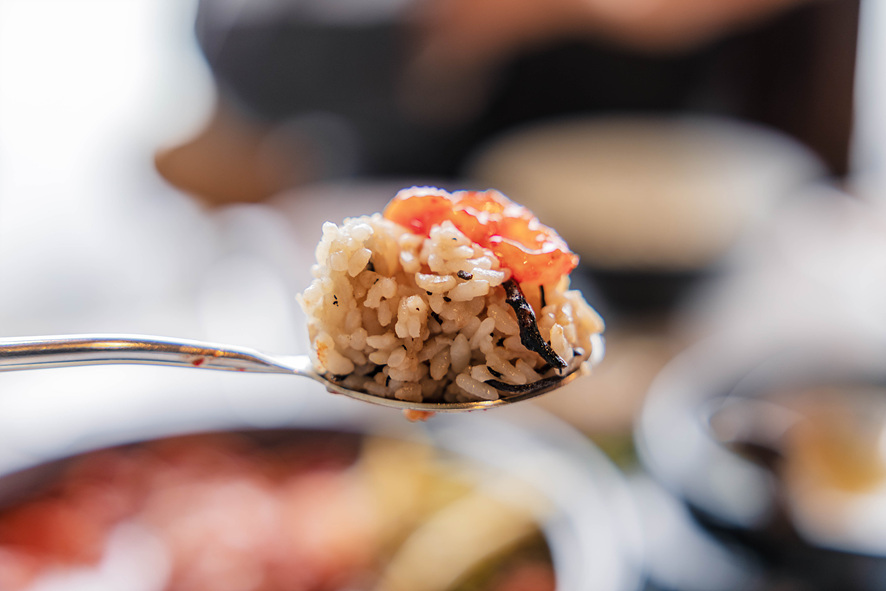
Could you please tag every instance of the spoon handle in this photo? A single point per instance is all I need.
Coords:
(101, 349)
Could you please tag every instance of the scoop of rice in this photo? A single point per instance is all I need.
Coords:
(425, 319)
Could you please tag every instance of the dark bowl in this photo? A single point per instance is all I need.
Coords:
(720, 432)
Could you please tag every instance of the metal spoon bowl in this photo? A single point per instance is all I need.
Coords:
(77, 350)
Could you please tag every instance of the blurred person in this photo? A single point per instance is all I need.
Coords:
(476, 31)
(312, 90)
(474, 35)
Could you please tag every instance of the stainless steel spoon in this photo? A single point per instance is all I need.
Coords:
(102, 349)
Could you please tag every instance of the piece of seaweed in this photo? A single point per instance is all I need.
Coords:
(529, 334)
(524, 388)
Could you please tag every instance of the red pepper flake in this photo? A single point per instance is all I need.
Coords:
(417, 416)
(198, 362)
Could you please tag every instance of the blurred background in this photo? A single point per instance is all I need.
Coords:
(166, 165)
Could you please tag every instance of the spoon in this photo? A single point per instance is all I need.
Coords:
(103, 349)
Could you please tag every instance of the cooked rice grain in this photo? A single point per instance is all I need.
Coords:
(425, 319)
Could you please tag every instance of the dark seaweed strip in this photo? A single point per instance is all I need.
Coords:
(529, 334)
(493, 372)
(543, 369)
(525, 388)
(541, 291)
(436, 317)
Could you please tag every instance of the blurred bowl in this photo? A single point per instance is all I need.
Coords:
(777, 444)
(651, 204)
(589, 525)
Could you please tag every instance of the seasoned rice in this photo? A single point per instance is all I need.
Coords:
(425, 319)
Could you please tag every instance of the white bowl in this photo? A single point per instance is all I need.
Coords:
(651, 192)
(592, 531)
